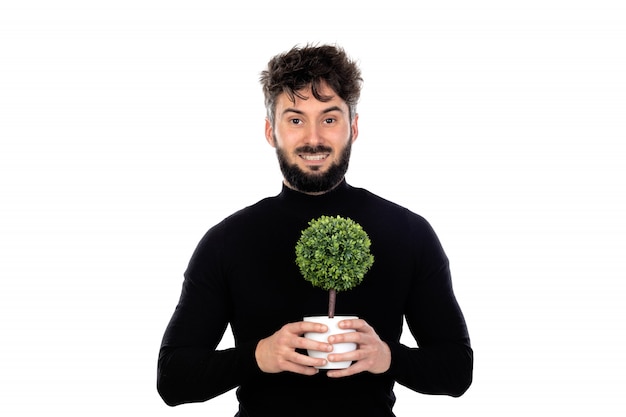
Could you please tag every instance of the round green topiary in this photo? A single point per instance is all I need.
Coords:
(333, 253)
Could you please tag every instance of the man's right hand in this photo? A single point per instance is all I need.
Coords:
(277, 353)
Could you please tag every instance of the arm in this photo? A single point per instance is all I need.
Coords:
(443, 362)
(190, 369)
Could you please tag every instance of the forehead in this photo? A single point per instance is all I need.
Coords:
(309, 102)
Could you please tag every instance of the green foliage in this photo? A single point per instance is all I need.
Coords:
(333, 253)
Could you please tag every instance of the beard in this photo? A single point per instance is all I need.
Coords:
(314, 182)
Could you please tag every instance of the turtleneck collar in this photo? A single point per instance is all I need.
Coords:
(289, 194)
(333, 202)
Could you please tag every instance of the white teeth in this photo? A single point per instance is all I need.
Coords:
(314, 157)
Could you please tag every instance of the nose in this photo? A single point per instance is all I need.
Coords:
(314, 136)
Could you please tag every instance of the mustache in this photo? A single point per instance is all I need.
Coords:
(314, 149)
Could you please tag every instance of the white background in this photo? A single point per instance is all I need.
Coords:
(128, 128)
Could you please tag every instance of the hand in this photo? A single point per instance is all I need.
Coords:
(277, 353)
(372, 354)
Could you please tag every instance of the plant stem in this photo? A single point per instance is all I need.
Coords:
(332, 300)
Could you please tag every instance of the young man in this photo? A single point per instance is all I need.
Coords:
(243, 273)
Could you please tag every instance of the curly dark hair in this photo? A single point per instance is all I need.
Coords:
(311, 65)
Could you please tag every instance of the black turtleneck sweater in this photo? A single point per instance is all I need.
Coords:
(243, 272)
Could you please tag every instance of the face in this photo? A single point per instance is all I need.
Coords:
(313, 140)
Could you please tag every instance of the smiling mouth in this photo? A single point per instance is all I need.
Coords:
(314, 157)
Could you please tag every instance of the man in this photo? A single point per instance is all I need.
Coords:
(243, 273)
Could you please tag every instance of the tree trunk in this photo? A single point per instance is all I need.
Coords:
(332, 300)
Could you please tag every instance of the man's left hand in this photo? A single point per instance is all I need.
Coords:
(372, 354)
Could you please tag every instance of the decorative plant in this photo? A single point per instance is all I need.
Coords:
(333, 253)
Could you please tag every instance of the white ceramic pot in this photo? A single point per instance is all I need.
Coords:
(323, 337)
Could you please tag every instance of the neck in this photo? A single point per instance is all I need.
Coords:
(288, 185)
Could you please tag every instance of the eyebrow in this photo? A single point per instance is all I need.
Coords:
(327, 110)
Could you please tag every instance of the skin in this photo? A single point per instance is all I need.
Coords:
(313, 123)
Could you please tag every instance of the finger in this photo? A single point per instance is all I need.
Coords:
(355, 324)
(310, 344)
(304, 364)
(353, 356)
(301, 369)
(350, 337)
(302, 327)
(353, 369)
(310, 361)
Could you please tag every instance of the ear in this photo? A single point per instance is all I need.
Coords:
(269, 133)
(355, 127)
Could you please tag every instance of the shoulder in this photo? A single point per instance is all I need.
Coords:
(390, 221)
(386, 209)
(241, 227)
(246, 217)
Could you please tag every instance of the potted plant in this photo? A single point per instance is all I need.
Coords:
(333, 253)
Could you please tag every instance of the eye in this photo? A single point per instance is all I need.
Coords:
(295, 121)
(329, 120)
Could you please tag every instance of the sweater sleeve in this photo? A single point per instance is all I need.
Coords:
(190, 369)
(443, 361)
